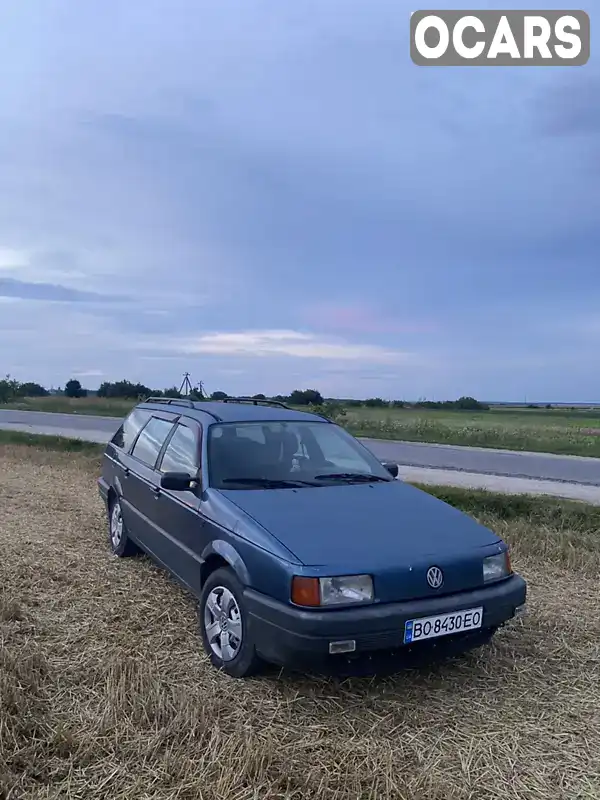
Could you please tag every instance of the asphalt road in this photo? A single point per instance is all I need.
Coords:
(533, 466)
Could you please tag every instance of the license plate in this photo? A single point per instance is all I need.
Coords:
(442, 624)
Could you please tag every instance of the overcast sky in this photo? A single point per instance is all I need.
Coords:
(272, 196)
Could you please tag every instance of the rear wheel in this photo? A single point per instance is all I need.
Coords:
(120, 543)
(224, 625)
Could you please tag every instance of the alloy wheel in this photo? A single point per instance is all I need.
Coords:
(223, 623)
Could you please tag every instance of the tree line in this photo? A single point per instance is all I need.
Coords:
(11, 390)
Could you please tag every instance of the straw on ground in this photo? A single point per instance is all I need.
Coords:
(106, 693)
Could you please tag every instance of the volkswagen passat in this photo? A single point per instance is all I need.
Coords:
(301, 547)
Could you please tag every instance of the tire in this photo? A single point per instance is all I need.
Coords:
(480, 639)
(119, 540)
(222, 604)
(487, 634)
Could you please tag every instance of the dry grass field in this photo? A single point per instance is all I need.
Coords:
(105, 692)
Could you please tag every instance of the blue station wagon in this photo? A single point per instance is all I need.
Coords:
(301, 546)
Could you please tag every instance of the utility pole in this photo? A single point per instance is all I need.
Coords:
(186, 387)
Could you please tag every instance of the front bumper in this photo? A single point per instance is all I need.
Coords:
(296, 638)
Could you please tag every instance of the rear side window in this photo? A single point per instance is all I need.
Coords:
(181, 454)
(151, 439)
(130, 428)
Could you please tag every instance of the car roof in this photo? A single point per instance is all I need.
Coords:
(232, 411)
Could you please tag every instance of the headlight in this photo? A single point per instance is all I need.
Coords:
(348, 589)
(496, 567)
(332, 591)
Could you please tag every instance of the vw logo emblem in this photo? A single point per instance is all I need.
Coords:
(435, 577)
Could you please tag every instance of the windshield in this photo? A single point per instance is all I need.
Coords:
(272, 455)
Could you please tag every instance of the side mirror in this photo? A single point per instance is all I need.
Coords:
(391, 467)
(176, 481)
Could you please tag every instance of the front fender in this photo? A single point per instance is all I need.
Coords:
(218, 547)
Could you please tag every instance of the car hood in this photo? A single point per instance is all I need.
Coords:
(360, 525)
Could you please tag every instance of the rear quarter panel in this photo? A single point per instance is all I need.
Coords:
(111, 468)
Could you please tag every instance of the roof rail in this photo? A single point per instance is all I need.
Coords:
(255, 401)
(183, 401)
(174, 401)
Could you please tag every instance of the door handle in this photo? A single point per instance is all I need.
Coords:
(157, 492)
(126, 472)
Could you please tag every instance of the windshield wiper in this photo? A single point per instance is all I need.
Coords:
(351, 477)
(269, 483)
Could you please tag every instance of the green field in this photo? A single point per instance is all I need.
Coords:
(563, 431)
(73, 405)
(544, 431)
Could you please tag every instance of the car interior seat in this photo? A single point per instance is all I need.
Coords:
(234, 456)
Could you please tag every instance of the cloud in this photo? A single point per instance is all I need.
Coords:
(288, 343)
(570, 107)
(12, 259)
(50, 292)
(282, 182)
(361, 318)
(88, 373)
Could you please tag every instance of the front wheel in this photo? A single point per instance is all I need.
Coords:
(224, 625)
